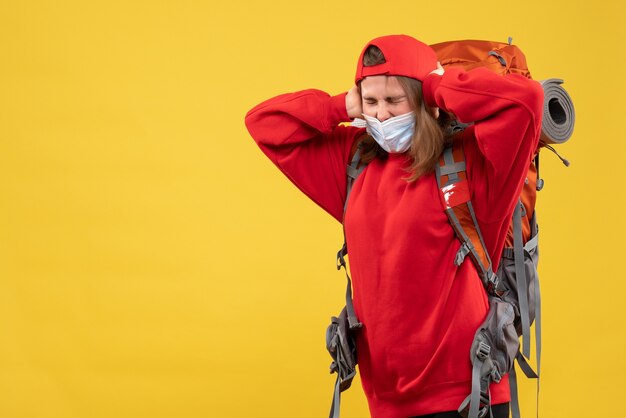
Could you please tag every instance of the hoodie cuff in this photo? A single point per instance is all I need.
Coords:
(431, 83)
(337, 111)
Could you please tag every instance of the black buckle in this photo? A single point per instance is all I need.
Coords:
(493, 281)
(483, 351)
(341, 261)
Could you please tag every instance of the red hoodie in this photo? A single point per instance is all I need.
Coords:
(420, 311)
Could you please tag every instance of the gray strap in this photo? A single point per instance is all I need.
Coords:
(353, 321)
(480, 384)
(353, 173)
(452, 168)
(464, 408)
(538, 325)
(475, 395)
(336, 403)
(448, 158)
(356, 158)
(530, 373)
(353, 170)
(531, 244)
(464, 405)
(540, 181)
(521, 361)
(480, 237)
(515, 412)
(499, 57)
(538, 334)
(464, 250)
(534, 228)
(353, 167)
(508, 253)
(535, 231)
(525, 367)
(520, 277)
(484, 271)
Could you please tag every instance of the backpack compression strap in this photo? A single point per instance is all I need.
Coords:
(517, 254)
(455, 197)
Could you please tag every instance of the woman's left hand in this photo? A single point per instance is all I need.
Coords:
(354, 105)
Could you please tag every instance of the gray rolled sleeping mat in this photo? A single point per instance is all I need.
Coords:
(558, 112)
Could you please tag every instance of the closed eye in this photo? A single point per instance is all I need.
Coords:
(396, 99)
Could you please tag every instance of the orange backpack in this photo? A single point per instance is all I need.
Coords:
(513, 291)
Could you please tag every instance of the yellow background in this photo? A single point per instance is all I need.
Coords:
(154, 264)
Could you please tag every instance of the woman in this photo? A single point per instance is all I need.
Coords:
(419, 310)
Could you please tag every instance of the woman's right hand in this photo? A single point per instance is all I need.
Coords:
(353, 103)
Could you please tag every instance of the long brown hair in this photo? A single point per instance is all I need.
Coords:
(428, 139)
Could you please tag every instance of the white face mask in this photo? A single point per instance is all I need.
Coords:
(393, 135)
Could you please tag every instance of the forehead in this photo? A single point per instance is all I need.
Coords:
(381, 86)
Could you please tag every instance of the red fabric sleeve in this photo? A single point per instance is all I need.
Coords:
(506, 112)
(300, 133)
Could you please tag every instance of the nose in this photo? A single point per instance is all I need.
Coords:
(382, 113)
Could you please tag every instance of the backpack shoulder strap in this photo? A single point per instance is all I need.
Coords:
(337, 336)
(353, 170)
(455, 197)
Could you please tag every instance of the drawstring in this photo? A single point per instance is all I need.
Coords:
(565, 161)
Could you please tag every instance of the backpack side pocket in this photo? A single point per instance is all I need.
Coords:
(341, 345)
